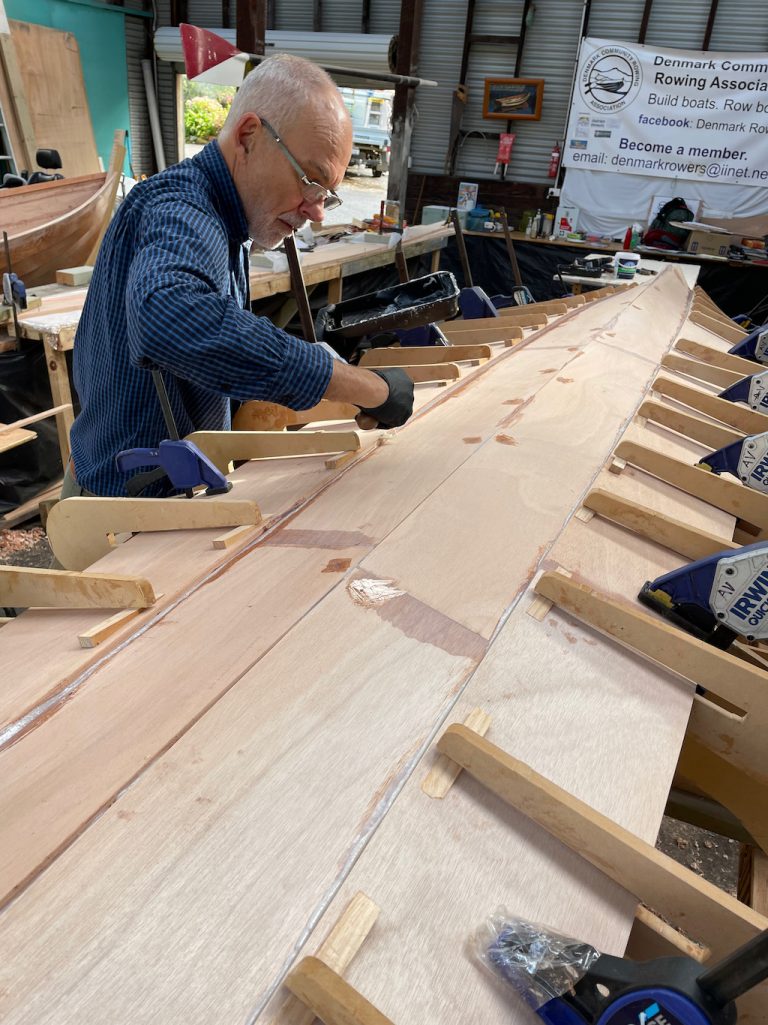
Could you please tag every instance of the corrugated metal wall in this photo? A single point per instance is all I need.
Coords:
(139, 134)
(550, 52)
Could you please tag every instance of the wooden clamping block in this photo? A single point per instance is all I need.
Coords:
(269, 416)
(552, 308)
(707, 914)
(335, 952)
(731, 413)
(716, 358)
(445, 772)
(420, 354)
(78, 528)
(714, 436)
(728, 495)
(225, 447)
(64, 589)
(694, 368)
(329, 997)
(74, 277)
(729, 721)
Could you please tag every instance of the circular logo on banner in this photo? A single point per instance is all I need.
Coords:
(611, 79)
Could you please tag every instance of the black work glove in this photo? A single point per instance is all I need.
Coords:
(399, 404)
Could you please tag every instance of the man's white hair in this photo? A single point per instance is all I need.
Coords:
(278, 89)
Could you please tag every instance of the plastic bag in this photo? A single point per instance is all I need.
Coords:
(538, 962)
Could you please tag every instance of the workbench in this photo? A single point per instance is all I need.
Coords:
(57, 310)
(735, 285)
(188, 809)
(578, 282)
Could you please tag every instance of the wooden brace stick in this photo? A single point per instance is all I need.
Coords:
(734, 680)
(53, 588)
(716, 358)
(419, 354)
(733, 498)
(707, 913)
(78, 527)
(329, 997)
(700, 371)
(712, 435)
(432, 372)
(224, 447)
(730, 332)
(739, 417)
(690, 542)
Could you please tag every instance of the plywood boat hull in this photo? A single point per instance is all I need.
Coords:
(53, 225)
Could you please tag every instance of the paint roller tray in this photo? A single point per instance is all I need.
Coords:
(418, 302)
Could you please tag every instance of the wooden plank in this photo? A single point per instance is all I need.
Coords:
(55, 93)
(701, 371)
(736, 499)
(709, 434)
(12, 437)
(24, 587)
(734, 415)
(35, 418)
(98, 634)
(78, 527)
(412, 355)
(553, 308)
(708, 354)
(74, 277)
(17, 116)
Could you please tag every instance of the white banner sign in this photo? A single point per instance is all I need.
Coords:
(670, 113)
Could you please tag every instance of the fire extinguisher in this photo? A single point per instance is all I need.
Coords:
(554, 161)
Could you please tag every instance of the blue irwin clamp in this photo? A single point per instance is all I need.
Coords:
(754, 346)
(752, 391)
(183, 463)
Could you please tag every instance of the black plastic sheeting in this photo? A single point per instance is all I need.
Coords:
(24, 391)
(735, 289)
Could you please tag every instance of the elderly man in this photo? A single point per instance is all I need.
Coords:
(170, 286)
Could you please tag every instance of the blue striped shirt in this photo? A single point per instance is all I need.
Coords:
(170, 290)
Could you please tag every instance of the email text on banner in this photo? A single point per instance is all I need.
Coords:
(670, 113)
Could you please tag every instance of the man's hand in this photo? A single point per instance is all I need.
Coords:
(384, 396)
(398, 406)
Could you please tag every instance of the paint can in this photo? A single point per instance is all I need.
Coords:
(625, 264)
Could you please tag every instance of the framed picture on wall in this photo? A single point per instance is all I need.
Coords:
(510, 99)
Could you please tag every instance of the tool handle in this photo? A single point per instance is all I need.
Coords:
(738, 973)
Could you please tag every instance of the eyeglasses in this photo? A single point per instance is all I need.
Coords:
(313, 191)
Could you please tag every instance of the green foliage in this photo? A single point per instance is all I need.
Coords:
(203, 118)
(205, 109)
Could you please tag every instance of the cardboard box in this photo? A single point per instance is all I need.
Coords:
(708, 243)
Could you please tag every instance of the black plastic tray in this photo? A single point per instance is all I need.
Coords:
(418, 302)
